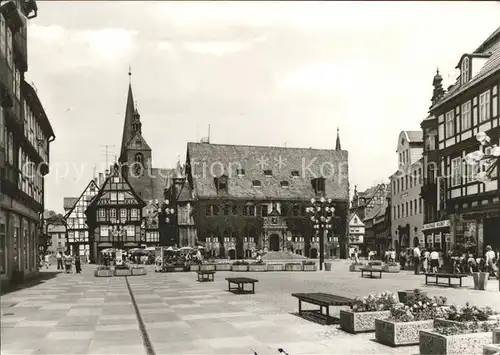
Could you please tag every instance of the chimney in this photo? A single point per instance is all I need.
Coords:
(101, 179)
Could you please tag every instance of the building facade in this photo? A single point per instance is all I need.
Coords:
(406, 186)
(356, 232)
(78, 242)
(249, 198)
(25, 135)
(468, 107)
(114, 216)
(57, 233)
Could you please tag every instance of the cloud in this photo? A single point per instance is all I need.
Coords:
(69, 49)
(216, 48)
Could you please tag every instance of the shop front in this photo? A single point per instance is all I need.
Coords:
(476, 230)
(437, 235)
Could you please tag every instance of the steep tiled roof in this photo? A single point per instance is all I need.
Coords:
(376, 211)
(414, 136)
(69, 202)
(256, 159)
(127, 125)
(491, 67)
(138, 142)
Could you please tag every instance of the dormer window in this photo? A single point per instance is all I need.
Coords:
(295, 173)
(221, 183)
(268, 172)
(465, 71)
(318, 185)
(284, 184)
(240, 172)
(256, 183)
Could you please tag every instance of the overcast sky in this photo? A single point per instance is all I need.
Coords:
(259, 73)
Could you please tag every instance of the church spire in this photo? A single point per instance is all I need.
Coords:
(130, 112)
(337, 143)
(438, 92)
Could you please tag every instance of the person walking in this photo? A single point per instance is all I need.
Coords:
(434, 261)
(426, 260)
(416, 259)
(78, 264)
(47, 260)
(59, 261)
(490, 257)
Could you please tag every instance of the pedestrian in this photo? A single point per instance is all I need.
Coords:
(416, 259)
(47, 261)
(490, 257)
(59, 258)
(402, 259)
(78, 264)
(434, 261)
(426, 260)
(68, 263)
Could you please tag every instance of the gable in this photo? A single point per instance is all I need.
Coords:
(116, 190)
(137, 142)
(82, 202)
(355, 221)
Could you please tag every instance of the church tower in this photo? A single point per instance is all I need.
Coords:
(337, 143)
(135, 153)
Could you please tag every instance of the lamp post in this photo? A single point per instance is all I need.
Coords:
(321, 213)
(117, 233)
(488, 161)
(165, 214)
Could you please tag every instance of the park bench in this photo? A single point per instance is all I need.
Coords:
(240, 284)
(205, 275)
(438, 276)
(323, 300)
(371, 270)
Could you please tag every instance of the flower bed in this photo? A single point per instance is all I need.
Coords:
(137, 271)
(468, 316)
(364, 312)
(293, 267)
(403, 295)
(240, 266)
(391, 267)
(103, 271)
(258, 266)
(223, 267)
(309, 265)
(457, 339)
(274, 267)
(406, 320)
(207, 267)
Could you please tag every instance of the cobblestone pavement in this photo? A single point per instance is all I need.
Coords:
(82, 314)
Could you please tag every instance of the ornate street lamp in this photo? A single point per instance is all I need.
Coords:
(165, 214)
(321, 213)
(117, 233)
(489, 161)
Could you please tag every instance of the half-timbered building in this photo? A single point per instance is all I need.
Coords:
(237, 188)
(114, 216)
(470, 106)
(77, 230)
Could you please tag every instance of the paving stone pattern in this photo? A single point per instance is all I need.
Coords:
(82, 314)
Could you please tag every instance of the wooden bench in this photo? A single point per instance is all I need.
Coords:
(323, 300)
(371, 270)
(240, 282)
(205, 275)
(444, 276)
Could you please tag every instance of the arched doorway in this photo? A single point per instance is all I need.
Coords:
(232, 254)
(314, 253)
(274, 242)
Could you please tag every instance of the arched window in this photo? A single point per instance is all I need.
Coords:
(465, 70)
(138, 164)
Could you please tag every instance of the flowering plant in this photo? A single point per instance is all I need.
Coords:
(382, 302)
(419, 307)
(469, 313)
(467, 328)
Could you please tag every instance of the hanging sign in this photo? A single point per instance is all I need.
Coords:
(430, 239)
(438, 238)
(447, 237)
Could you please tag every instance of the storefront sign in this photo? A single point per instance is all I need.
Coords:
(437, 238)
(430, 239)
(447, 237)
(434, 225)
(480, 215)
(421, 239)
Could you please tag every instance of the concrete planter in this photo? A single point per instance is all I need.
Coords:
(178, 269)
(223, 267)
(480, 280)
(274, 267)
(312, 267)
(207, 267)
(257, 267)
(469, 343)
(491, 349)
(103, 273)
(139, 271)
(122, 272)
(400, 333)
(391, 268)
(293, 267)
(239, 268)
(496, 336)
(194, 267)
(357, 322)
(355, 268)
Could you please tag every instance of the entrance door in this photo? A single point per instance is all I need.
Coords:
(232, 254)
(274, 242)
(314, 253)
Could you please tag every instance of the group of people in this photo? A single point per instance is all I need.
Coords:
(426, 260)
(65, 261)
